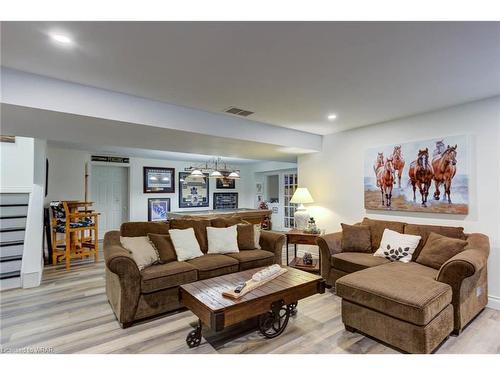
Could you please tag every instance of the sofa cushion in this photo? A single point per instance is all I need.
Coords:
(163, 244)
(405, 291)
(353, 262)
(212, 265)
(246, 237)
(356, 238)
(253, 258)
(142, 228)
(199, 226)
(424, 231)
(438, 249)
(377, 228)
(168, 275)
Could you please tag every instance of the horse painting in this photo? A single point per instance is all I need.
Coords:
(398, 163)
(445, 168)
(385, 180)
(421, 174)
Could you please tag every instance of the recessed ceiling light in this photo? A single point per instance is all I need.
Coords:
(61, 39)
(332, 117)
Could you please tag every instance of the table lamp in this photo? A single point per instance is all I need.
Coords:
(301, 215)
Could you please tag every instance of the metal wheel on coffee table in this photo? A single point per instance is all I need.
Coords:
(274, 322)
(193, 338)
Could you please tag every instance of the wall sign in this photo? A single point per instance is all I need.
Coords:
(110, 159)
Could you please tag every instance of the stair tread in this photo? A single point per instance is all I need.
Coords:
(11, 243)
(12, 229)
(14, 217)
(11, 258)
(9, 275)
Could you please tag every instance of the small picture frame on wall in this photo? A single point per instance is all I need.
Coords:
(258, 188)
(225, 201)
(159, 180)
(225, 183)
(158, 209)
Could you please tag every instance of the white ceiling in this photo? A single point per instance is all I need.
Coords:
(291, 74)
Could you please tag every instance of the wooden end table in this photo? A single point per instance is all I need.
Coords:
(299, 237)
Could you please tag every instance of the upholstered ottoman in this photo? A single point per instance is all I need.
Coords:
(398, 303)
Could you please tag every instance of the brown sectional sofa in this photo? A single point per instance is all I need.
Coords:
(136, 295)
(408, 305)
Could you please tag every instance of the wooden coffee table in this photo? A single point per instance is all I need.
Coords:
(272, 302)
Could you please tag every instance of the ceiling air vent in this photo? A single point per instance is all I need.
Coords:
(238, 111)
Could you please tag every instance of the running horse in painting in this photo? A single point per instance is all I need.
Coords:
(445, 168)
(385, 180)
(421, 174)
(379, 162)
(399, 163)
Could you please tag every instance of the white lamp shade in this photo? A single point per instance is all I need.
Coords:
(302, 195)
(216, 174)
(196, 172)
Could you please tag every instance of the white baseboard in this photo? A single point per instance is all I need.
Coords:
(31, 280)
(493, 302)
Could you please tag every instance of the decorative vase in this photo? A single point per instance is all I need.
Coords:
(301, 217)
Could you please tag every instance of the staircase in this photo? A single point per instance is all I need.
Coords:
(13, 215)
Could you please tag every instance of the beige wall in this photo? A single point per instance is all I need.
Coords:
(334, 176)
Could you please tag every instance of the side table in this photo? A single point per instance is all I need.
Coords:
(299, 237)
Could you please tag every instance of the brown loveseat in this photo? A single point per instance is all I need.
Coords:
(136, 295)
(408, 305)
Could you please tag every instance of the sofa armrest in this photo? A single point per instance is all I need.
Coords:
(126, 292)
(465, 264)
(461, 266)
(273, 242)
(329, 244)
(118, 259)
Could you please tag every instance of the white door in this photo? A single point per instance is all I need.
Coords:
(110, 196)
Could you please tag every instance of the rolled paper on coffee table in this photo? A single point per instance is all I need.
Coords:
(258, 279)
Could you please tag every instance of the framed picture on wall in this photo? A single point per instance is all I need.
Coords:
(158, 209)
(225, 201)
(159, 180)
(225, 183)
(259, 187)
(193, 191)
(430, 176)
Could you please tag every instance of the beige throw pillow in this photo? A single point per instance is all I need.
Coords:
(395, 246)
(143, 252)
(222, 240)
(185, 243)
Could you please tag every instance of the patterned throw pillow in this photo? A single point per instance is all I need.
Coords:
(396, 246)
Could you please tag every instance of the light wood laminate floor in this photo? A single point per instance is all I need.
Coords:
(69, 313)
